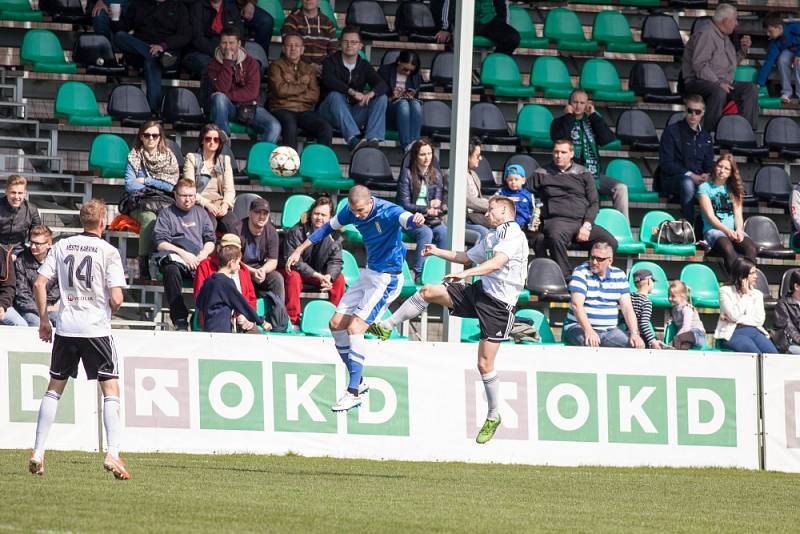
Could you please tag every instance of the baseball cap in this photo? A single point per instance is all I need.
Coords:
(515, 169)
(259, 204)
(642, 275)
(230, 239)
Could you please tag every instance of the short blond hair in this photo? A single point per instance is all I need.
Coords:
(41, 229)
(16, 179)
(507, 202)
(93, 213)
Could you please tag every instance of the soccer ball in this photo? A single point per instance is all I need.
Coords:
(284, 161)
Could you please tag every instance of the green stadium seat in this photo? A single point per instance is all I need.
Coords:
(524, 296)
(350, 233)
(541, 324)
(563, 27)
(470, 330)
(316, 315)
(600, 79)
(479, 41)
(258, 167)
(669, 335)
(350, 269)
(520, 20)
(703, 283)
(612, 30)
(294, 208)
(19, 10)
(640, 3)
(650, 221)
(550, 74)
(616, 144)
(659, 296)
(433, 270)
(627, 172)
(275, 9)
(501, 76)
(618, 226)
(238, 128)
(42, 50)
(319, 165)
(261, 309)
(533, 126)
(409, 286)
(109, 155)
(76, 102)
(748, 73)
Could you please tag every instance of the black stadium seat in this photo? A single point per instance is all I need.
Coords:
(489, 184)
(487, 122)
(390, 56)
(785, 281)
(546, 281)
(736, 134)
(699, 23)
(254, 49)
(370, 167)
(178, 154)
(369, 17)
(436, 116)
(94, 52)
(442, 71)
(782, 134)
(636, 129)
(689, 4)
(181, 108)
(772, 185)
(762, 284)
(649, 81)
(764, 233)
(675, 117)
(414, 21)
(526, 160)
(128, 104)
(69, 11)
(661, 32)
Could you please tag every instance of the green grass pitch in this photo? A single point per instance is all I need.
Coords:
(249, 493)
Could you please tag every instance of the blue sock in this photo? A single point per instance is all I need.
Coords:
(356, 364)
(342, 341)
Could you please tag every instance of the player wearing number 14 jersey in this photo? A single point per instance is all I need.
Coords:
(91, 278)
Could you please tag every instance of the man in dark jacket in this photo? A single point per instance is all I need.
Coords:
(151, 36)
(570, 206)
(27, 267)
(348, 105)
(587, 130)
(8, 288)
(17, 216)
(208, 19)
(490, 22)
(261, 247)
(686, 156)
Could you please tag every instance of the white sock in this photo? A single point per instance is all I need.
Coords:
(112, 423)
(47, 416)
(411, 308)
(492, 386)
(342, 341)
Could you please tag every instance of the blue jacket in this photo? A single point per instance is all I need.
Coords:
(216, 302)
(790, 40)
(684, 150)
(407, 191)
(132, 185)
(523, 203)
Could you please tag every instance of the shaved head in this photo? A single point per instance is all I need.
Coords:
(360, 201)
(358, 193)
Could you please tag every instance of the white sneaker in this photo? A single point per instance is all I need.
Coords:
(363, 387)
(347, 402)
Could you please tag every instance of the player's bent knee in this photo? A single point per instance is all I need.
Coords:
(431, 291)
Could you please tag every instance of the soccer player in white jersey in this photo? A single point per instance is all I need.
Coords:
(501, 260)
(91, 278)
(380, 223)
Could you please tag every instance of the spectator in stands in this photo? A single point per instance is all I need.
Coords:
(152, 34)
(8, 288)
(258, 22)
(212, 172)
(208, 19)
(261, 249)
(515, 190)
(184, 235)
(405, 110)
(786, 335)
(17, 215)
(643, 308)
(598, 292)
(316, 29)
(150, 176)
(235, 79)
(741, 312)
(319, 265)
(101, 14)
(293, 94)
(570, 206)
(477, 204)
(356, 94)
(689, 329)
(686, 156)
(795, 212)
(587, 130)
(490, 22)
(26, 268)
(709, 65)
(420, 189)
(784, 42)
(721, 200)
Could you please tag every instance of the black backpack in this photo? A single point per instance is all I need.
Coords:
(275, 312)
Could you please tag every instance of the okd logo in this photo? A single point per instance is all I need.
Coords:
(513, 404)
(157, 392)
(231, 395)
(28, 376)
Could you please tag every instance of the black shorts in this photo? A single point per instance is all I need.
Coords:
(495, 317)
(98, 355)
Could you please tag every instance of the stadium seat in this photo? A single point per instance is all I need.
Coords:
(350, 269)
(600, 79)
(618, 226)
(261, 309)
(294, 208)
(649, 223)
(350, 233)
(433, 270)
(109, 155)
(635, 128)
(520, 20)
(563, 28)
(699, 23)
(550, 74)
(93, 51)
(627, 172)
(181, 108)
(533, 126)
(319, 165)
(501, 76)
(677, 116)
(436, 120)
(762, 284)
(540, 324)
(390, 56)
(640, 3)
(659, 296)
(782, 134)
(241, 205)
(409, 287)
(526, 160)
(703, 283)
(771, 184)
(748, 73)
(669, 334)
(689, 4)
(176, 151)
(258, 167)
(128, 104)
(19, 10)
(489, 184)
(42, 50)
(661, 32)
(546, 281)
(315, 318)
(736, 134)
(76, 102)
(69, 11)
(370, 167)
(254, 49)
(369, 17)
(470, 330)
(487, 122)
(649, 81)
(275, 9)
(413, 21)
(764, 233)
(612, 30)
(442, 71)
(785, 288)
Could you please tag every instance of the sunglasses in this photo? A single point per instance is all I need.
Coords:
(695, 111)
(151, 135)
(599, 259)
(211, 139)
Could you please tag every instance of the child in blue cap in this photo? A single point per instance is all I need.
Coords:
(515, 190)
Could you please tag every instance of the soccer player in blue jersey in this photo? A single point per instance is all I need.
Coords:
(381, 224)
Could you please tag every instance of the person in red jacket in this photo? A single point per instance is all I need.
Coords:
(235, 79)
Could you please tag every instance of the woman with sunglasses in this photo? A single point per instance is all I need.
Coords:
(405, 110)
(212, 173)
(150, 176)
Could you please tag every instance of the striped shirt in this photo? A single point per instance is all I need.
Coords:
(319, 34)
(643, 309)
(602, 296)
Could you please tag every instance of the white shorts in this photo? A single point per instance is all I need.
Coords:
(369, 296)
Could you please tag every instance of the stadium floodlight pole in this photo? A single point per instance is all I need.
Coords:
(459, 142)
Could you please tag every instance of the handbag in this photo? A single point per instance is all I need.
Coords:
(246, 113)
(779, 339)
(678, 232)
(147, 199)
